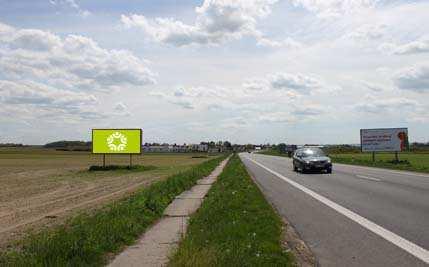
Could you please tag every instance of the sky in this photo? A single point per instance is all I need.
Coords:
(247, 71)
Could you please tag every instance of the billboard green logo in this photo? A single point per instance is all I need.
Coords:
(116, 141)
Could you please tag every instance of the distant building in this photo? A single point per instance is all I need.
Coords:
(213, 150)
(166, 148)
(156, 149)
(203, 147)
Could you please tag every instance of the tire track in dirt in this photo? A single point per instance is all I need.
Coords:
(81, 199)
(93, 199)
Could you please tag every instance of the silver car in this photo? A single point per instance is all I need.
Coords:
(311, 158)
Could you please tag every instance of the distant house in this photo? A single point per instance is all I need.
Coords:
(203, 147)
(156, 149)
(166, 148)
(213, 150)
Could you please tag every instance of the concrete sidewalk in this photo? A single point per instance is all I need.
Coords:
(154, 247)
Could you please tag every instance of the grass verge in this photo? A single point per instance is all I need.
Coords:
(88, 239)
(417, 162)
(273, 153)
(235, 226)
(409, 161)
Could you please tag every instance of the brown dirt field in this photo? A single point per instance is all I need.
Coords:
(41, 188)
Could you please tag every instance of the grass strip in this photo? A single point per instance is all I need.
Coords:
(273, 153)
(417, 162)
(235, 226)
(87, 240)
(404, 165)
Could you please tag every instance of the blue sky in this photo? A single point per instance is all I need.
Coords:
(297, 71)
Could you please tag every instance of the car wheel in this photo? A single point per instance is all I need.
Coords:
(295, 169)
(329, 170)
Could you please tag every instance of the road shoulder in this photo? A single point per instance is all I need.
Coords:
(290, 238)
(235, 226)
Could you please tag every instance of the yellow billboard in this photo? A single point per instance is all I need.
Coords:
(116, 141)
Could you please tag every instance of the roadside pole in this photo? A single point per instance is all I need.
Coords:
(396, 156)
(373, 156)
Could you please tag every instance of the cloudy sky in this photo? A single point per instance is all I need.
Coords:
(296, 71)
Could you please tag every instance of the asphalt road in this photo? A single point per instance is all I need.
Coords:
(356, 216)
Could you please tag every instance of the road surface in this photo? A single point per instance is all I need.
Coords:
(356, 216)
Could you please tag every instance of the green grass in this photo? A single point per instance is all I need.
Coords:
(408, 161)
(88, 239)
(235, 226)
(272, 152)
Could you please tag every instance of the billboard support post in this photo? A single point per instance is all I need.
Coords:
(131, 160)
(373, 156)
(104, 160)
(396, 157)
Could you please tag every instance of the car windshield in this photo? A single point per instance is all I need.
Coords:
(313, 152)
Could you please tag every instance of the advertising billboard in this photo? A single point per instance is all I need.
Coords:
(387, 139)
(116, 141)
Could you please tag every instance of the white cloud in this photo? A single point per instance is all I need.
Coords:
(304, 112)
(256, 85)
(390, 105)
(377, 88)
(308, 110)
(368, 32)
(415, 47)
(335, 8)
(56, 77)
(277, 117)
(286, 43)
(294, 84)
(44, 101)
(217, 21)
(414, 78)
(72, 4)
(121, 109)
(298, 82)
(212, 98)
(39, 94)
(74, 62)
(33, 40)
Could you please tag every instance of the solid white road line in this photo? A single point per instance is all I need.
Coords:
(395, 239)
(368, 178)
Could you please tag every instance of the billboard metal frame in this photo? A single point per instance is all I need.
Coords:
(361, 149)
(118, 129)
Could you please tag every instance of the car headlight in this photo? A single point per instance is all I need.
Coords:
(329, 160)
(307, 162)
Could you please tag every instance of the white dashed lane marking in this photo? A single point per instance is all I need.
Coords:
(395, 239)
(368, 178)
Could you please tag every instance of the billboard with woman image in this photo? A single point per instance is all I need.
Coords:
(384, 139)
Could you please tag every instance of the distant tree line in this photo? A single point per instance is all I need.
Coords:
(70, 145)
(413, 147)
(332, 149)
(419, 147)
(11, 145)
